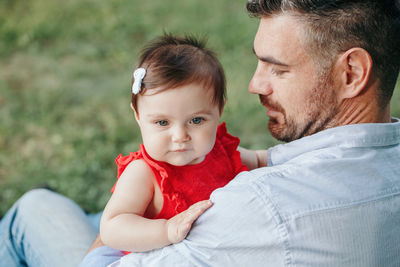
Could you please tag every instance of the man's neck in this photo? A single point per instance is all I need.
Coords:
(364, 108)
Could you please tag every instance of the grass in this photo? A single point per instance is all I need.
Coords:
(65, 70)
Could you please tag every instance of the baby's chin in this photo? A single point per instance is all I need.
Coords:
(185, 161)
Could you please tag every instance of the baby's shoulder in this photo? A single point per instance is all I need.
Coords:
(138, 169)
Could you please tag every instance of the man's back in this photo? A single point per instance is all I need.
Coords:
(343, 208)
(332, 199)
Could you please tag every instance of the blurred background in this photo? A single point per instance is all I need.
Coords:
(65, 71)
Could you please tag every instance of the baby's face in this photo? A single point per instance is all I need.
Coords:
(178, 125)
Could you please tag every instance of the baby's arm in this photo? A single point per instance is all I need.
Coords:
(253, 158)
(123, 225)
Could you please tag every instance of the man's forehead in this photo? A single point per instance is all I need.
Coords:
(279, 37)
(278, 28)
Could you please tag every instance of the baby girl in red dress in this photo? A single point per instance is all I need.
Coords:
(178, 94)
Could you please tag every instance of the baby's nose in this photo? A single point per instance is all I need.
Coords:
(180, 134)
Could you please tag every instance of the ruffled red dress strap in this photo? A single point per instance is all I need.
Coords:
(230, 144)
(157, 167)
(123, 161)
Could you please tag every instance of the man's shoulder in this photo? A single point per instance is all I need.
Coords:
(320, 182)
(324, 202)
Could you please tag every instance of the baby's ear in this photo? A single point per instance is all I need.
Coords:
(136, 113)
(222, 108)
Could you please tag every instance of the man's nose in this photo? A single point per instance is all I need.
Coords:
(180, 134)
(260, 83)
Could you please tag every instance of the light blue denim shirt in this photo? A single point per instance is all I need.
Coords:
(330, 199)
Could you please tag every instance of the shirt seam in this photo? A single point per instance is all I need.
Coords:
(281, 224)
(348, 205)
(331, 205)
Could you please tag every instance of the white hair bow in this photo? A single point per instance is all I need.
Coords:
(138, 76)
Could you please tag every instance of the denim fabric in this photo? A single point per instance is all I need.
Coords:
(101, 257)
(45, 229)
(330, 199)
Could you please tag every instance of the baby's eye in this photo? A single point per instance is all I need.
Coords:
(197, 120)
(162, 122)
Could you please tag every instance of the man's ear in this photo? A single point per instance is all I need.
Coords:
(136, 113)
(354, 67)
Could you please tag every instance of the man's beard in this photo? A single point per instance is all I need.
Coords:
(318, 114)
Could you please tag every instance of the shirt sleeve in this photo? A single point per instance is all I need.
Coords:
(240, 229)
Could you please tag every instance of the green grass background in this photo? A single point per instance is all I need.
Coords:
(65, 70)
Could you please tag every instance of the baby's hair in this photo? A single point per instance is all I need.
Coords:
(172, 61)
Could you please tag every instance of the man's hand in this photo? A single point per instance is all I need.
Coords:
(179, 226)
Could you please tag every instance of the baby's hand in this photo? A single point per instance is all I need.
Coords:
(179, 226)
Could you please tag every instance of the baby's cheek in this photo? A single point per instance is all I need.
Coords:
(154, 146)
(208, 142)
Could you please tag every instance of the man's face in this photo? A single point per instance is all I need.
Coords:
(299, 97)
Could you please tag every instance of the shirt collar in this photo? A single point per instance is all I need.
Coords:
(353, 135)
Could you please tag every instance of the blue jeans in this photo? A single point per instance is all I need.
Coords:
(44, 228)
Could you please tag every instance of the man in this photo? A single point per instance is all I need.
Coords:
(331, 196)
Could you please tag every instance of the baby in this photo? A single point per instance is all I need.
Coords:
(178, 95)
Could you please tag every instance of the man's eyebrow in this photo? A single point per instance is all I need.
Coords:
(270, 60)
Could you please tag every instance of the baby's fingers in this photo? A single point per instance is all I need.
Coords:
(180, 225)
(194, 211)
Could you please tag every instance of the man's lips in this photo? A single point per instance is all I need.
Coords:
(270, 110)
(273, 111)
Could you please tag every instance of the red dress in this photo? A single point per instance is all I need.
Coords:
(183, 186)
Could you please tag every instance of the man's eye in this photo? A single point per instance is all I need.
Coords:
(277, 72)
(197, 120)
(162, 122)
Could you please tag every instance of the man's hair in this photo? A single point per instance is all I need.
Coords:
(334, 26)
(172, 61)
